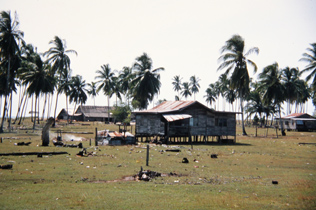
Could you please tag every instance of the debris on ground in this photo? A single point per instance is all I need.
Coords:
(275, 182)
(213, 155)
(146, 175)
(8, 166)
(62, 144)
(185, 160)
(173, 150)
(22, 143)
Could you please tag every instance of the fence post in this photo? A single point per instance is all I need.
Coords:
(147, 157)
(96, 136)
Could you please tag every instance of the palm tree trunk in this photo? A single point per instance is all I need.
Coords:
(282, 129)
(3, 114)
(32, 109)
(20, 105)
(67, 109)
(242, 117)
(6, 94)
(56, 109)
(10, 113)
(22, 111)
(34, 122)
(73, 113)
(38, 109)
(108, 109)
(44, 106)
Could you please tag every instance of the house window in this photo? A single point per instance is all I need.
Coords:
(221, 122)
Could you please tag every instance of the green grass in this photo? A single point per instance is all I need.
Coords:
(240, 178)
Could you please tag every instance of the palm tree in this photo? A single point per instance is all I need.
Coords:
(63, 85)
(194, 83)
(230, 96)
(291, 82)
(210, 95)
(304, 92)
(255, 104)
(10, 37)
(117, 90)
(106, 84)
(58, 57)
(92, 91)
(39, 80)
(186, 90)
(235, 60)
(310, 58)
(223, 86)
(125, 78)
(77, 91)
(272, 88)
(177, 84)
(146, 83)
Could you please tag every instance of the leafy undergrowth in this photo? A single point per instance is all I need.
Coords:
(240, 177)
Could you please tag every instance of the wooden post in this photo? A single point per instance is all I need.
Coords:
(147, 156)
(90, 142)
(96, 136)
(1, 139)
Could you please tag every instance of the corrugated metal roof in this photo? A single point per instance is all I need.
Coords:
(297, 115)
(168, 106)
(175, 117)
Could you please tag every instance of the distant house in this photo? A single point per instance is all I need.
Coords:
(64, 115)
(88, 113)
(95, 113)
(299, 122)
(184, 121)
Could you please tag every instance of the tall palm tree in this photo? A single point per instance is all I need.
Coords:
(77, 91)
(223, 86)
(272, 88)
(310, 58)
(304, 92)
(105, 83)
(58, 57)
(194, 83)
(39, 80)
(230, 96)
(176, 82)
(210, 95)
(234, 58)
(186, 90)
(92, 91)
(63, 85)
(255, 104)
(10, 37)
(146, 83)
(125, 78)
(117, 90)
(290, 78)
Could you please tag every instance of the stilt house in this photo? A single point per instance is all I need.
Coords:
(184, 121)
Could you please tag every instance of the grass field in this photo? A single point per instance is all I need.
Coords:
(240, 178)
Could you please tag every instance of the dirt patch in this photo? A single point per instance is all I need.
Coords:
(132, 178)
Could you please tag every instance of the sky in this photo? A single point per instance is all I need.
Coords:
(183, 36)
